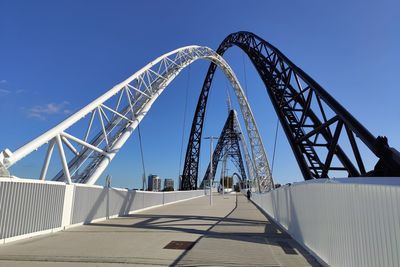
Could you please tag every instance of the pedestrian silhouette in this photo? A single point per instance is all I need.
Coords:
(248, 194)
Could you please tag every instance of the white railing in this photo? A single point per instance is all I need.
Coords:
(29, 206)
(32, 207)
(344, 222)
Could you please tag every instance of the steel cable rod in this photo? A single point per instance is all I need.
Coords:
(184, 119)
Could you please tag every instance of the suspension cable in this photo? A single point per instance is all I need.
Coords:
(184, 119)
(275, 141)
(142, 157)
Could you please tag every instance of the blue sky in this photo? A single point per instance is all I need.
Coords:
(57, 56)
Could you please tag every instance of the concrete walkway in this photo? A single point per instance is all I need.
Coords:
(232, 232)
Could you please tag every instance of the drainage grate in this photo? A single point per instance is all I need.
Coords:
(287, 248)
(185, 245)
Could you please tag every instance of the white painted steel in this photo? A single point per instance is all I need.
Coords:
(171, 197)
(31, 207)
(345, 222)
(63, 159)
(45, 167)
(141, 90)
(152, 199)
(96, 202)
(68, 204)
(249, 163)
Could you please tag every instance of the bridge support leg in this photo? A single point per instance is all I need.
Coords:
(63, 160)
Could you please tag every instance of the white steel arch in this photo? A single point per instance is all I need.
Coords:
(133, 99)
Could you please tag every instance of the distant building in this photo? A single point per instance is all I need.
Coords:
(168, 183)
(227, 182)
(154, 183)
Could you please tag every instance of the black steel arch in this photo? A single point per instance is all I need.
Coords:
(312, 119)
(228, 144)
(242, 183)
(237, 175)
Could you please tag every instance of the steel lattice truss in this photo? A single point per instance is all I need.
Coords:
(228, 146)
(249, 162)
(315, 124)
(261, 170)
(115, 114)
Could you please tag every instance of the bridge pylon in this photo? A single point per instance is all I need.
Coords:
(228, 146)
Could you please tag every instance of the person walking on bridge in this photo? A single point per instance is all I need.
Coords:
(248, 194)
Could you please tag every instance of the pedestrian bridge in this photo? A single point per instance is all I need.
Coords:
(231, 232)
(337, 222)
(340, 222)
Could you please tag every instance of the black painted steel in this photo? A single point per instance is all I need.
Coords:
(316, 125)
(191, 167)
(228, 144)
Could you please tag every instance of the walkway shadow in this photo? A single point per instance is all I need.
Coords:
(101, 207)
(270, 234)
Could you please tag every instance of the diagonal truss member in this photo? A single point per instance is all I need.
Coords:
(228, 146)
(112, 118)
(323, 135)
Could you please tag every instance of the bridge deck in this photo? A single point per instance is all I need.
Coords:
(233, 232)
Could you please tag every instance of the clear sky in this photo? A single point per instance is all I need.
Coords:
(57, 56)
